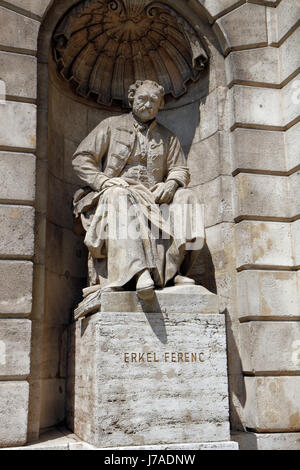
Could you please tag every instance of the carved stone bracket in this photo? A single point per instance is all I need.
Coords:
(103, 46)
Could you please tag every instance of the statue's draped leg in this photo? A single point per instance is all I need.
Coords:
(128, 233)
(117, 234)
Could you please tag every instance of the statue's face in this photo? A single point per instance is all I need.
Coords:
(146, 104)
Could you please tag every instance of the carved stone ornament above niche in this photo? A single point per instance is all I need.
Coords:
(101, 47)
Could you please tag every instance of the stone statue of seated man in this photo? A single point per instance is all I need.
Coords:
(143, 227)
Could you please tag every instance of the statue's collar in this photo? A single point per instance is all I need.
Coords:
(143, 126)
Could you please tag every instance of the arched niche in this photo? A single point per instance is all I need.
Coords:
(64, 119)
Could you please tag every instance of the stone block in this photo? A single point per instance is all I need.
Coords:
(53, 439)
(176, 299)
(220, 206)
(268, 294)
(74, 254)
(33, 431)
(268, 346)
(294, 185)
(96, 115)
(272, 404)
(66, 253)
(150, 403)
(54, 352)
(229, 445)
(69, 292)
(43, 95)
(217, 7)
(36, 7)
(15, 336)
(69, 174)
(61, 151)
(221, 248)
(16, 287)
(216, 73)
(54, 248)
(244, 26)
(282, 19)
(256, 106)
(225, 145)
(18, 125)
(273, 441)
(56, 440)
(291, 100)
(296, 242)
(56, 153)
(61, 108)
(250, 144)
(264, 65)
(13, 413)
(226, 289)
(204, 159)
(60, 202)
(52, 402)
(40, 238)
(289, 58)
(253, 65)
(292, 138)
(43, 131)
(17, 177)
(263, 196)
(209, 122)
(185, 124)
(19, 72)
(18, 31)
(16, 230)
(264, 243)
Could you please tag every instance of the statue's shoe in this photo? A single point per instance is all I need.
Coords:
(145, 286)
(112, 289)
(146, 293)
(183, 281)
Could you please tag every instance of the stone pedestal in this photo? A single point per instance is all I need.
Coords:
(144, 378)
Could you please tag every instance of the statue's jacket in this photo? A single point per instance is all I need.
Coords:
(104, 153)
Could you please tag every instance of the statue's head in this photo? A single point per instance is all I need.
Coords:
(146, 99)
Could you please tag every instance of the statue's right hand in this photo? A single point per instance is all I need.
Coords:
(115, 182)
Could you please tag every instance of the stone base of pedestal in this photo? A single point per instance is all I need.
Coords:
(226, 445)
(144, 379)
(62, 439)
(181, 299)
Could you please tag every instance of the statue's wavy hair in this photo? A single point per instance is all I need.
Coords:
(133, 88)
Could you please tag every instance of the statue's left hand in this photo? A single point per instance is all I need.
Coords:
(164, 193)
(115, 182)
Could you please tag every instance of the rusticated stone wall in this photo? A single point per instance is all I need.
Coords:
(245, 162)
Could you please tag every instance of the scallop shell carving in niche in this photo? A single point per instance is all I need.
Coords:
(103, 46)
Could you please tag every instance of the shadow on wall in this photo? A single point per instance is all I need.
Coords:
(236, 382)
(182, 116)
(157, 323)
(183, 122)
(203, 271)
